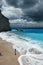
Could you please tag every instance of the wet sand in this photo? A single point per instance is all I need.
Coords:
(8, 55)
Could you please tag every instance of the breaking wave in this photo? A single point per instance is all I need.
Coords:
(30, 50)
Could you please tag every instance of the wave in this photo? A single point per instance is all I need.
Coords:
(29, 49)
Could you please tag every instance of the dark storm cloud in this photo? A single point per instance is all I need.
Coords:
(30, 8)
(29, 3)
(0, 3)
(35, 15)
(22, 3)
(12, 2)
(30, 12)
(36, 11)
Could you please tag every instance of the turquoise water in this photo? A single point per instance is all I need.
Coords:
(36, 34)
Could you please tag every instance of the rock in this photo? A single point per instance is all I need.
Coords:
(4, 23)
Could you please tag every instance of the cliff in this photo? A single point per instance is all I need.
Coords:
(4, 23)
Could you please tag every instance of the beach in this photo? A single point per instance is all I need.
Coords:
(8, 54)
(28, 52)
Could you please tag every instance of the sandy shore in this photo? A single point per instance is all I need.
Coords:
(8, 55)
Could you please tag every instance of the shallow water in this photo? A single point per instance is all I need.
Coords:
(34, 34)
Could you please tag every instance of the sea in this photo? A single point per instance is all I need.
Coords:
(34, 34)
(28, 42)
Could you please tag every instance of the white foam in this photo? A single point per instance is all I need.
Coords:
(28, 60)
(28, 48)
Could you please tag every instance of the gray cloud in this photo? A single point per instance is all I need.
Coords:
(0, 3)
(22, 3)
(30, 8)
(11, 12)
(29, 3)
(12, 2)
(24, 23)
(35, 12)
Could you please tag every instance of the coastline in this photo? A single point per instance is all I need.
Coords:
(27, 50)
(8, 55)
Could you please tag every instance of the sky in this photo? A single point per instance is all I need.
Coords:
(25, 10)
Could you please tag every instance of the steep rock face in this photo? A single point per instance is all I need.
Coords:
(4, 23)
